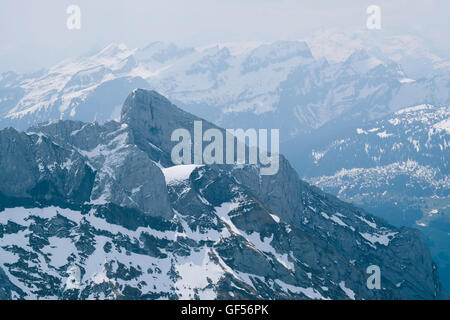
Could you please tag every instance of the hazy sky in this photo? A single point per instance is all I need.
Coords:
(33, 34)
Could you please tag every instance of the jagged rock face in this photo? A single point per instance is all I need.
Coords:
(336, 222)
(280, 192)
(124, 174)
(149, 116)
(35, 168)
(396, 167)
(194, 231)
(152, 119)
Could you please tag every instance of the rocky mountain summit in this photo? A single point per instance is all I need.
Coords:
(92, 211)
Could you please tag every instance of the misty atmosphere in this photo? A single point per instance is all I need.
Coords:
(224, 150)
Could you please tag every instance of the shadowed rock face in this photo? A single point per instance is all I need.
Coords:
(33, 168)
(124, 174)
(152, 119)
(183, 232)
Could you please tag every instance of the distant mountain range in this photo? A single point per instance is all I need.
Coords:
(95, 211)
(280, 84)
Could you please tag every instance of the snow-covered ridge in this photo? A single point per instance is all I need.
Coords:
(420, 131)
(444, 125)
(412, 52)
(179, 173)
(61, 253)
(413, 109)
(379, 176)
(234, 80)
(196, 272)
